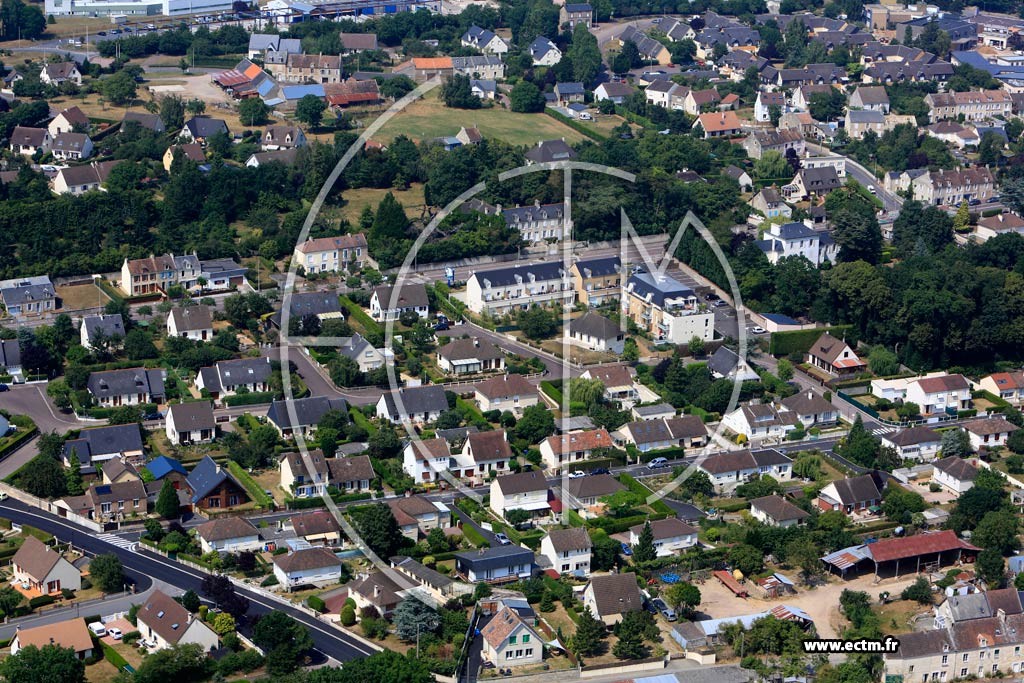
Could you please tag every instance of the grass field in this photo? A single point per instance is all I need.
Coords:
(359, 198)
(77, 297)
(429, 118)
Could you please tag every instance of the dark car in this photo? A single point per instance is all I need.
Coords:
(649, 606)
(4, 387)
(974, 202)
(442, 326)
(600, 470)
(102, 33)
(665, 610)
(711, 296)
(720, 304)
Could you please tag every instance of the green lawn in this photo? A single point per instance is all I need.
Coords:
(429, 118)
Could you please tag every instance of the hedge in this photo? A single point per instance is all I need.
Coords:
(251, 487)
(575, 125)
(43, 536)
(800, 341)
(114, 657)
(659, 506)
(552, 391)
(17, 440)
(41, 601)
(317, 501)
(250, 399)
(360, 419)
(473, 536)
(618, 526)
(316, 603)
(356, 313)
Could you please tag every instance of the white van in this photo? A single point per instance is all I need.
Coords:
(98, 629)
(584, 116)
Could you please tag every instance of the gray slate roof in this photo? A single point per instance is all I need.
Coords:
(207, 476)
(308, 411)
(130, 381)
(659, 289)
(193, 416)
(10, 353)
(594, 325)
(426, 399)
(110, 325)
(103, 442)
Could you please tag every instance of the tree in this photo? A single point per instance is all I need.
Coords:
(827, 106)
(43, 665)
(107, 573)
(283, 639)
(537, 322)
(310, 110)
(10, 598)
(858, 235)
(457, 93)
(190, 601)
(697, 484)
(802, 553)
(517, 516)
(180, 663)
(997, 530)
(138, 345)
(772, 165)
(525, 98)
(630, 646)
(955, 442)
(119, 89)
(644, 550)
(223, 623)
(684, 597)
(972, 506)
(920, 590)
(253, 112)
(883, 362)
(584, 54)
(172, 112)
(378, 528)
(746, 558)
(76, 486)
(43, 477)
(899, 504)
(696, 346)
(606, 552)
(784, 370)
(990, 149)
(535, 425)
(167, 503)
(1015, 442)
(385, 443)
(991, 568)
(963, 216)
(412, 617)
(388, 666)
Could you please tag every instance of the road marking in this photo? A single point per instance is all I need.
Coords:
(883, 430)
(118, 541)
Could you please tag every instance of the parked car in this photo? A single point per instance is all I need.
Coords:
(600, 470)
(441, 326)
(710, 296)
(658, 463)
(578, 474)
(585, 116)
(114, 633)
(502, 539)
(665, 610)
(626, 550)
(649, 606)
(757, 329)
(720, 304)
(4, 387)
(974, 202)
(98, 629)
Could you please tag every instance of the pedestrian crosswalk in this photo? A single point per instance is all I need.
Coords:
(881, 431)
(117, 540)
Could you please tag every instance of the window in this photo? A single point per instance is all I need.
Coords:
(963, 673)
(965, 658)
(526, 639)
(512, 640)
(945, 660)
(529, 652)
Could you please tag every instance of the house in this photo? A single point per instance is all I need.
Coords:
(989, 432)
(559, 452)
(508, 392)
(163, 621)
(426, 459)
(156, 274)
(222, 274)
(211, 487)
(596, 333)
(770, 204)
(1009, 386)
(650, 50)
(297, 478)
(568, 550)
(191, 151)
(483, 453)
(815, 181)
(71, 634)
(547, 151)
(502, 564)
(719, 124)
(783, 240)
(950, 188)
(860, 121)
(417, 405)
(667, 309)
(811, 409)
(567, 93)
(129, 387)
(57, 73)
(572, 13)
(28, 296)
(760, 421)
(484, 89)
(162, 467)
(765, 102)
(612, 595)
(1000, 224)
(523, 491)
(479, 66)
(943, 394)
(483, 40)
(150, 122)
(10, 357)
(427, 68)
(508, 640)
(301, 414)
(318, 527)
(109, 502)
(470, 356)
(39, 568)
(323, 305)
(834, 356)
(101, 444)
(974, 105)
(737, 467)
(469, 136)
(68, 120)
(616, 92)
(544, 53)
(351, 92)
(106, 328)
(351, 474)
(276, 138)
(687, 431)
(300, 68)
(741, 177)
(914, 443)
(28, 141)
(376, 590)
(538, 223)
(671, 536)
(780, 141)
(201, 128)
(190, 423)
(228, 535)
(954, 474)
(953, 133)
(597, 280)
(77, 180)
(868, 97)
(618, 383)
(417, 515)
(71, 147)
(584, 494)
(345, 253)
(267, 44)
(388, 303)
(777, 511)
(118, 470)
(854, 495)
(191, 322)
(362, 352)
(308, 566)
(654, 411)
(725, 362)
(229, 377)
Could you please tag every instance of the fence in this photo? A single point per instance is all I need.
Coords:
(47, 506)
(892, 423)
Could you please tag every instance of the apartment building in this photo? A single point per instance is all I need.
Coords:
(538, 223)
(344, 253)
(950, 188)
(504, 290)
(667, 309)
(975, 105)
(157, 273)
(299, 68)
(597, 281)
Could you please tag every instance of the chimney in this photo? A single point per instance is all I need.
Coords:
(376, 591)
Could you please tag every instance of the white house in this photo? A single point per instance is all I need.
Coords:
(989, 432)
(568, 550)
(388, 303)
(508, 392)
(764, 103)
(66, 120)
(56, 73)
(229, 377)
(513, 288)
(500, 564)
(1008, 386)
(943, 394)
(190, 423)
(228, 535)
(191, 322)
(71, 147)
(686, 431)
(345, 253)
(416, 405)
(509, 641)
(811, 409)
(544, 52)
(914, 443)
(483, 453)
(40, 568)
(834, 356)
(736, 467)
(484, 40)
(470, 356)
(163, 621)
(309, 566)
(954, 474)
(760, 421)
(849, 496)
(796, 239)
(523, 491)
(609, 596)
(777, 511)
(596, 333)
(107, 327)
(562, 450)
(426, 459)
(671, 536)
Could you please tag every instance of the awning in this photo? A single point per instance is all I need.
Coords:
(533, 506)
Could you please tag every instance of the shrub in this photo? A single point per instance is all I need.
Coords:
(347, 616)
(41, 601)
(130, 637)
(316, 603)
(269, 581)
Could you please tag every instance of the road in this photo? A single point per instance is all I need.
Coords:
(863, 176)
(327, 640)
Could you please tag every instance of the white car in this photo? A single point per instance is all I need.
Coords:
(584, 116)
(578, 474)
(114, 633)
(98, 629)
(757, 329)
